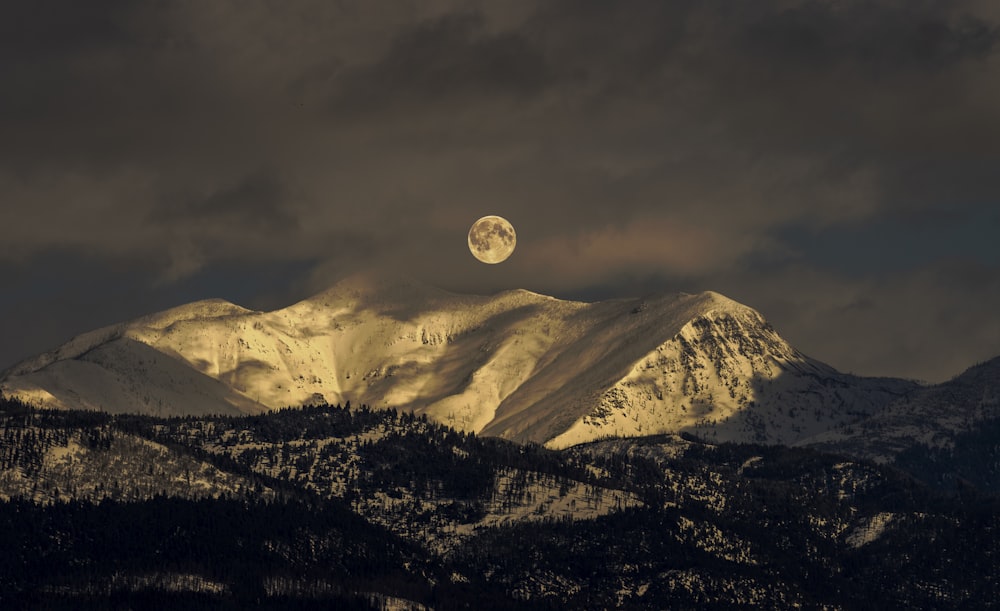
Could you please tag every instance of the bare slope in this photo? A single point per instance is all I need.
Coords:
(516, 364)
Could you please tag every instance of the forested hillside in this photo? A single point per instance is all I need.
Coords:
(359, 508)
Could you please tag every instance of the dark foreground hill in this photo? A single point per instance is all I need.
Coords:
(329, 507)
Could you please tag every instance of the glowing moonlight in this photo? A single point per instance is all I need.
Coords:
(492, 239)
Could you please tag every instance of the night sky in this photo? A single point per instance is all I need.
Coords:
(835, 165)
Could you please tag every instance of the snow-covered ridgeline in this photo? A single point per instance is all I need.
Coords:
(517, 365)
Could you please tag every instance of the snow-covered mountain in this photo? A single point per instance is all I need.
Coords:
(517, 364)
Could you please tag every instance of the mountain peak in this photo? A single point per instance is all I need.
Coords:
(203, 309)
(515, 364)
(715, 302)
(378, 287)
(720, 300)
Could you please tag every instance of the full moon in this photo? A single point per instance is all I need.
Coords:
(492, 239)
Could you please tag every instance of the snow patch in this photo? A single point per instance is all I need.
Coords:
(869, 530)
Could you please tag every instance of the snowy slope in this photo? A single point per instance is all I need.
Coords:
(726, 375)
(516, 364)
(933, 417)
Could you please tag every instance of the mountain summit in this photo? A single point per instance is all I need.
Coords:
(516, 364)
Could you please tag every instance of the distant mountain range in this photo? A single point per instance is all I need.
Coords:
(938, 417)
(517, 365)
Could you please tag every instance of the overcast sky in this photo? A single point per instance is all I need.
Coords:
(833, 164)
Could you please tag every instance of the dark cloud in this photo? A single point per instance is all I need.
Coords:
(256, 203)
(884, 39)
(806, 157)
(57, 28)
(445, 63)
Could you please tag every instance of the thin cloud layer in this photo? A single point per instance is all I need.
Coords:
(636, 146)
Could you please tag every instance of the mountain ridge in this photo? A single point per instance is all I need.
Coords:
(931, 417)
(515, 364)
